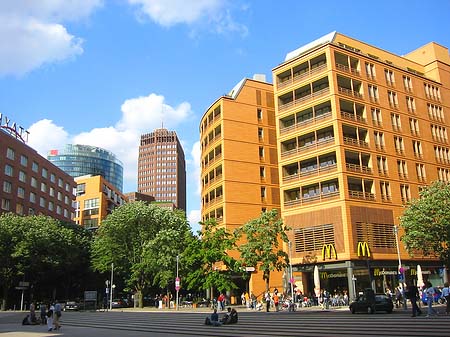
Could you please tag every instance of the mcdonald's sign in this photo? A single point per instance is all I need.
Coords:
(328, 251)
(363, 249)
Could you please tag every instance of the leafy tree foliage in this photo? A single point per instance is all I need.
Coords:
(207, 259)
(263, 247)
(142, 241)
(426, 222)
(42, 251)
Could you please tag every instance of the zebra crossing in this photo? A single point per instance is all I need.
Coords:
(300, 323)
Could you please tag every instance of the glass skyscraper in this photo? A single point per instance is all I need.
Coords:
(79, 160)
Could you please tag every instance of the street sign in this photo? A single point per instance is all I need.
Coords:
(24, 284)
(21, 288)
(249, 268)
(90, 295)
(177, 284)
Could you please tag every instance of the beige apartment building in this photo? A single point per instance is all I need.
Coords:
(359, 132)
(239, 168)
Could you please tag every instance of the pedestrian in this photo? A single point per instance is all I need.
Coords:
(276, 300)
(430, 298)
(446, 295)
(50, 317)
(43, 311)
(413, 294)
(267, 299)
(220, 300)
(254, 300)
(32, 313)
(243, 298)
(57, 315)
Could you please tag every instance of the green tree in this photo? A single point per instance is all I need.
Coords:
(142, 241)
(426, 222)
(262, 247)
(208, 260)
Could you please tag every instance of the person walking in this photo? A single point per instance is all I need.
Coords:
(43, 312)
(267, 299)
(57, 315)
(413, 294)
(50, 312)
(446, 295)
(430, 298)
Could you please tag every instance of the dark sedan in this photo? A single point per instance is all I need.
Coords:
(364, 304)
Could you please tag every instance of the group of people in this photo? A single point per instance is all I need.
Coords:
(231, 317)
(49, 314)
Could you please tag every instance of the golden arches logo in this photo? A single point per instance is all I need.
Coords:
(328, 251)
(363, 249)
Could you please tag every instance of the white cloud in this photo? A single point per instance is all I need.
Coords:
(32, 33)
(194, 218)
(168, 13)
(139, 115)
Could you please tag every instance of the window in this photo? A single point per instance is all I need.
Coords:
(432, 92)
(59, 196)
(417, 147)
(385, 191)
(261, 152)
(6, 204)
(33, 182)
(44, 172)
(23, 160)
(58, 209)
(52, 178)
(10, 154)
(35, 167)
(382, 165)
(44, 187)
(19, 209)
(370, 70)
(407, 83)
(7, 187)
(399, 146)
(91, 203)
(263, 192)
(262, 172)
(51, 206)
(405, 193)
(393, 100)
(259, 114)
(420, 169)
(22, 176)
(32, 197)
(442, 154)
(395, 119)
(81, 189)
(373, 93)
(379, 140)
(402, 169)
(260, 133)
(435, 112)
(389, 75)
(376, 116)
(410, 104)
(52, 192)
(67, 187)
(414, 126)
(42, 202)
(21, 192)
(9, 170)
(60, 183)
(439, 133)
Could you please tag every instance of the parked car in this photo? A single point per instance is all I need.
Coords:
(118, 303)
(71, 306)
(363, 304)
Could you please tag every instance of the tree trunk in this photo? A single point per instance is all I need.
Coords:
(141, 299)
(5, 296)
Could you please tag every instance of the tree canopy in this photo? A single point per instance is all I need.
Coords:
(426, 222)
(142, 241)
(263, 246)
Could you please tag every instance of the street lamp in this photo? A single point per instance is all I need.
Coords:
(291, 277)
(401, 270)
(112, 287)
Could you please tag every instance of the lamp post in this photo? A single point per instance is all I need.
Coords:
(291, 277)
(112, 287)
(401, 270)
(177, 286)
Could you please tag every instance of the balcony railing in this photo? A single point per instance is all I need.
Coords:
(300, 77)
(355, 142)
(304, 99)
(350, 92)
(361, 195)
(314, 145)
(353, 117)
(311, 199)
(305, 122)
(358, 168)
(347, 69)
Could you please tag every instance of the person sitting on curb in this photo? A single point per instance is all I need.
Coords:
(213, 320)
(231, 317)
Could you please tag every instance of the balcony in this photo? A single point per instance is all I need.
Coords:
(349, 92)
(355, 142)
(358, 168)
(298, 125)
(311, 199)
(313, 145)
(361, 195)
(353, 117)
(343, 67)
(304, 99)
(300, 77)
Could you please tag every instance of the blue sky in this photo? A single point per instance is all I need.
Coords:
(102, 72)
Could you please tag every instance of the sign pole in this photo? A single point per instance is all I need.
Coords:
(111, 289)
(177, 286)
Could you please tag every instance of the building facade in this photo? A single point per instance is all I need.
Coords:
(80, 160)
(239, 166)
(30, 184)
(162, 167)
(360, 131)
(95, 199)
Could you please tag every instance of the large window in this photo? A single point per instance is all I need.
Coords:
(377, 235)
(10, 154)
(313, 238)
